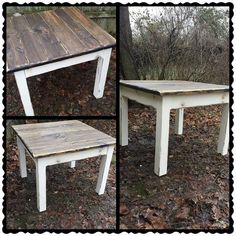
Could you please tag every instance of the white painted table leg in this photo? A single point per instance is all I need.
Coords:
(162, 139)
(24, 92)
(179, 120)
(41, 184)
(123, 121)
(104, 170)
(101, 74)
(21, 148)
(72, 164)
(223, 141)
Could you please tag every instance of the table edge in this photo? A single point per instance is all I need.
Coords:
(173, 93)
(76, 150)
(58, 59)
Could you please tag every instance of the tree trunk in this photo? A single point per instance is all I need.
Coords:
(127, 65)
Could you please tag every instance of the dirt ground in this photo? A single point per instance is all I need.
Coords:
(195, 192)
(72, 202)
(65, 92)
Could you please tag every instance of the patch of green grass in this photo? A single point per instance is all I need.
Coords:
(140, 189)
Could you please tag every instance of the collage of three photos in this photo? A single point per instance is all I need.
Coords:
(117, 118)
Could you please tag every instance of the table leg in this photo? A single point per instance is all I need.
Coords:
(104, 170)
(24, 92)
(123, 121)
(21, 148)
(72, 164)
(223, 141)
(179, 120)
(162, 139)
(101, 74)
(41, 185)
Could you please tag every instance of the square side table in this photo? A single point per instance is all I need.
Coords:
(59, 142)
(167, 95)
(41, 42)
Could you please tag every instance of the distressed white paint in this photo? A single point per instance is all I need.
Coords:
(139, 96)
(22, 158)
(101, 73)
(162, 138)
(74, 156)
(38, 70)
(103, 57)
(123, 121)
(72, 164)
(195, 100)
(104, 170)
(179, 120)
(71, 157)
(24, 92)
(163, 105)
(41, 185)
(223, 141)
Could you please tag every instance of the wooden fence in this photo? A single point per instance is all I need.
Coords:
(105, 16)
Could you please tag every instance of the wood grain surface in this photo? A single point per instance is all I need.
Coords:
(165, 87)
(45, 139)
(44, 37)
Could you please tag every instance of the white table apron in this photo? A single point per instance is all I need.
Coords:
(103, 57)
(41, 164)
(163, 105)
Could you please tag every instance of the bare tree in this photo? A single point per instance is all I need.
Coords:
(187, 43)
(127, 65)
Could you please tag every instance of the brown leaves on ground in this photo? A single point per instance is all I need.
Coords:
(66, 92)
(183, 213)
(152, 220)
(124, 210)
(195, 192)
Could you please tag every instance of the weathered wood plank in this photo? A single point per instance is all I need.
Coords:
(78, 29)
(67, 37)
(43, 139)
(43, 33)
(102, 36)
(10, 27)
(44, 125)
(49, 128)
(33, 48)
(165, 87)
(15, 56)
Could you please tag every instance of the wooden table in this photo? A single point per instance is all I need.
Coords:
(166, 95)
(46, 41)
(59, 142)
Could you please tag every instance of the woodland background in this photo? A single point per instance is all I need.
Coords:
(175, 43)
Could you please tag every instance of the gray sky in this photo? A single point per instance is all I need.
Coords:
(153, 10)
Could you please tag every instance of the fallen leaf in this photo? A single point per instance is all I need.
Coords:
(124, 210)
(184, 213)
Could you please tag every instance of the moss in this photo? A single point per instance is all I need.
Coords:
(140, 189)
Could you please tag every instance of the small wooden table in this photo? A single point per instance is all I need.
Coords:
(59, 142)
(166, 95)
(46, 41)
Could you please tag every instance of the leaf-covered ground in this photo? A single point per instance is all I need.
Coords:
(72, 202)
(195, 192)
(64, 92)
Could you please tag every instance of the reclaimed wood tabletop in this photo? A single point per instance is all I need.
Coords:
(49, 36)
(50, 138)
(165, 87)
